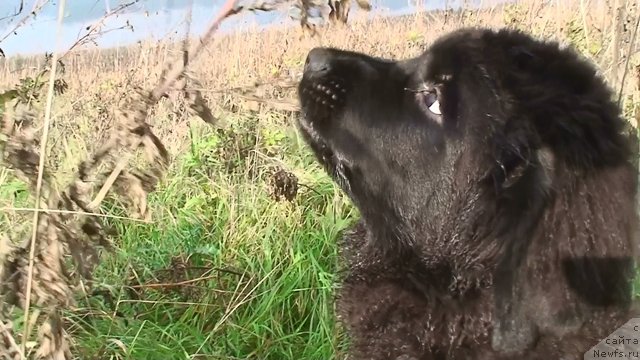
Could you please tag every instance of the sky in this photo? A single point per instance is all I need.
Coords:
(155, 19)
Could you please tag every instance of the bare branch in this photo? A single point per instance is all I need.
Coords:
(36, 9)
(93, 30)
(629, 53)
(18, 11)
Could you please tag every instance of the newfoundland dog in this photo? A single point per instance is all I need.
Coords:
(496, 182)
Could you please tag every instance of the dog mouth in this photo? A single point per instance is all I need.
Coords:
(333, 162)
(322, 102)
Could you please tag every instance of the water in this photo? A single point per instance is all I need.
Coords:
(155, 19)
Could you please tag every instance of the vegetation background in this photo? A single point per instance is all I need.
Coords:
(229, 251)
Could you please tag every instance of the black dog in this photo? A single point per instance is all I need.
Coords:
(497, 189)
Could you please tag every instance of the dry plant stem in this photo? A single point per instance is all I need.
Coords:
(617, 36)
(20, 8)
(69, 212)
(583, 12)
(233, 307)
(9, 340)
(122, 162)
(93, 29)
(175, 72)
(629, 53)
(175, 284)
(187, 31)
(43, 147)
(178, 67)
(36, 8)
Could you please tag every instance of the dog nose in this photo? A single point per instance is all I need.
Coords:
(318, 62)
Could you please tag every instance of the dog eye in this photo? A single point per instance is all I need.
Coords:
(429, 99)
(435, 107)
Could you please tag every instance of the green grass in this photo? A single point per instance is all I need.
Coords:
(214, 211)
(266, 268)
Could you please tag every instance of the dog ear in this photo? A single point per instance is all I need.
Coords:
(572, 113)
(523, 184)
(514, 154)
(514, 166)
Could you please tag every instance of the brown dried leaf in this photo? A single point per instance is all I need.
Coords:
(284, 184)
(9, 348)
(132, 187)
(197, 103)
(21, 151)
(53, 345)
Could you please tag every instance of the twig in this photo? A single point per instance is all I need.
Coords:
(170, 285)
(43, 147)
(93, 29)
(122, 162)
(69, 212)
(583, 12)
(232, 308)
(36, 8)
(626, 65)
(18, 12)
(156, 302)
(310, 188)
(283, 84)
(208, 269)
(618, 14)
(10, 341)
(176, 71)
(282, 105)
(178, 67)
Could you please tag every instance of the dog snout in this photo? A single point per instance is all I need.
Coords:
(323, 89)
(318, 63)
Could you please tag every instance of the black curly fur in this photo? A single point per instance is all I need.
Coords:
(503, 228)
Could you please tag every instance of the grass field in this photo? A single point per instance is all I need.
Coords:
(221, 270)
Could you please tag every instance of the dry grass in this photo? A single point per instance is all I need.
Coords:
(279, 306)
